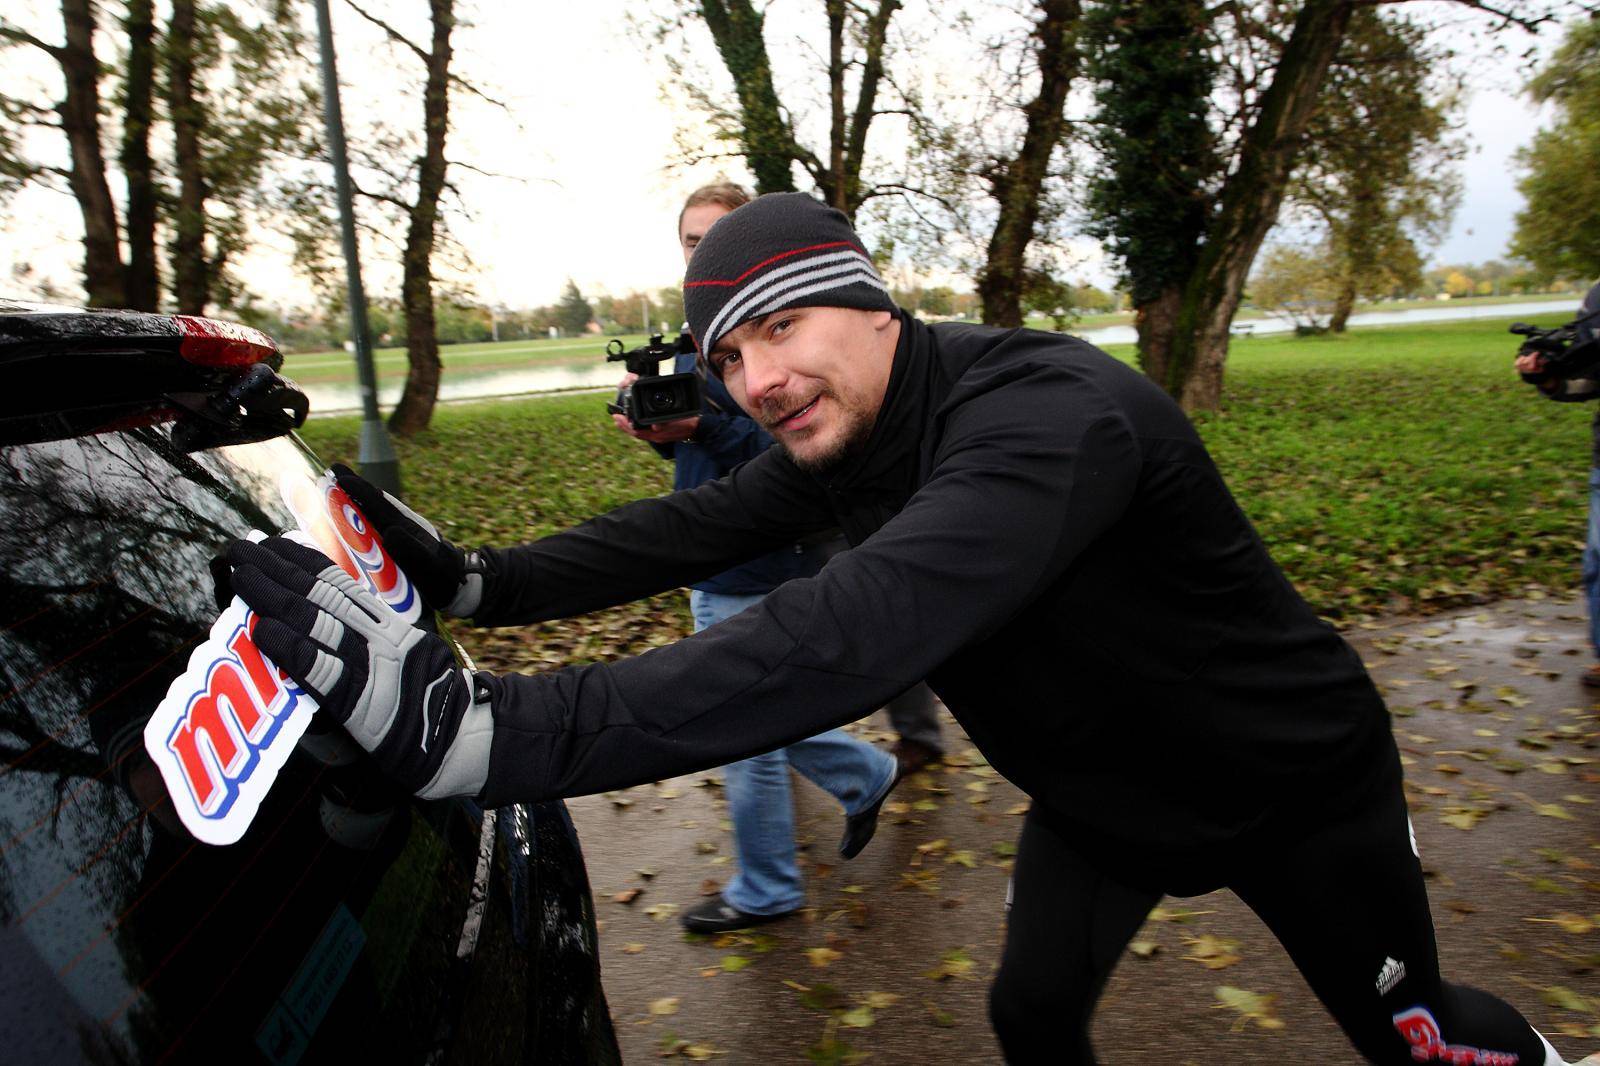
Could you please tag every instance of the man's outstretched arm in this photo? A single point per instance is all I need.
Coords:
(1027, 478)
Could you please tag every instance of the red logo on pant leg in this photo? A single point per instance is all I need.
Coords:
(1419, 1029)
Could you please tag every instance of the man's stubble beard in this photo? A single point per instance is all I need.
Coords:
(851, 443)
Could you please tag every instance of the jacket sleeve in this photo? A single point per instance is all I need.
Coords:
(1028, 473)
(730, 439)
(653, 545)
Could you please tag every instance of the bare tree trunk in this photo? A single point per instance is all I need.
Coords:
(877, 37)
(1155, 322)
(143, 289)
(103, 270)
(836, 126)
(190, 282)
(415, 408)
(1018, 183)
(768, 141)
(1343, 304)
(1249, 206)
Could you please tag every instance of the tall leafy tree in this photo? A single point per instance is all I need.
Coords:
(1377, 167)
(142, 290)
(1017, 180)
(209, 104)
(1185, 303)
(77, 115)
(573, 312)
(1203, 112)
(426, 177)
(1558, 230)
(758, 126)
(1149, 203)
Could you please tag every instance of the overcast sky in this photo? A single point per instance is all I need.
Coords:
(586, 192)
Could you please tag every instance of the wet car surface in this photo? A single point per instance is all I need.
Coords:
(349, 917)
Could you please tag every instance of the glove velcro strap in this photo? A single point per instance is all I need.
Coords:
(465, 769)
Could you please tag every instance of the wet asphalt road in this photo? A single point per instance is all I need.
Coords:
(1502, 746)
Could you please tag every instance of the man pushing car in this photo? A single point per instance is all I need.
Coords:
(1037, 530)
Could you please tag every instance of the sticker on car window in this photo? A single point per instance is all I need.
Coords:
(229, 722)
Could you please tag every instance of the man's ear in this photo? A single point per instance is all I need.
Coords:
(880, 319)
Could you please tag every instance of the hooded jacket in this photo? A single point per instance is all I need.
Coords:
(1037, 530)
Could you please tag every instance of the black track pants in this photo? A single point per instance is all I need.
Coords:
(1347, 902)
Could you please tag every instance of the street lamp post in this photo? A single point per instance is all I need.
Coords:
(377, 459)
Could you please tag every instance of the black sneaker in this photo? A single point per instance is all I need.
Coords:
(859, 828)
(716, 915)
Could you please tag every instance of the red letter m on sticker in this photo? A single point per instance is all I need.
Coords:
(217, 738)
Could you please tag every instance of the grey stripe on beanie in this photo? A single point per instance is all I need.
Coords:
(778, 251)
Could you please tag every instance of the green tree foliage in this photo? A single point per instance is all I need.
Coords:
(1044, 294)
(1559, 229)
(1154, 72)
(573, 313)
(1203, 111)
(1300, 284)
(1377, 170)
(199, 159)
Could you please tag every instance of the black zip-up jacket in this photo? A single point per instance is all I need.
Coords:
(1039, 532)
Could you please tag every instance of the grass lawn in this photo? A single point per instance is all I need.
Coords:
(1391, 469)
(316, 368)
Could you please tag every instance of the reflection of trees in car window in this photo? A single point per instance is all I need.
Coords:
(104, 591)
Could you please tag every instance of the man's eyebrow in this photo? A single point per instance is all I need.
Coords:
(753, 322)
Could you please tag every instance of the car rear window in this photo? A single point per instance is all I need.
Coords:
(335, 919)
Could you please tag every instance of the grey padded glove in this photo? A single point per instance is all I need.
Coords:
(398, 690)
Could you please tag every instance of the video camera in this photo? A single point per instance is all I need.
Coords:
(1568, 351)
(654, 398)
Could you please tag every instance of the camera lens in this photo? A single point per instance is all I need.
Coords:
(659, 400)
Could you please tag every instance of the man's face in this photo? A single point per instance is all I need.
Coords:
(814, 377)
(696, 220)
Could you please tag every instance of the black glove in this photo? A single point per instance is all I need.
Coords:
(438, 568)
(397, 690)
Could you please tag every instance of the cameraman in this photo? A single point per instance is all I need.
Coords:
(767, 883)
(1535, 369)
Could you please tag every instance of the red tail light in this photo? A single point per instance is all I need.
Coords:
(211, 343)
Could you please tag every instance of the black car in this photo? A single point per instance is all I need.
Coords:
(349, 918)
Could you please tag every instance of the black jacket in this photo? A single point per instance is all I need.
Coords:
(1039, 532)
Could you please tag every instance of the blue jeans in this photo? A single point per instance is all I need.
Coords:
(852, 771)
(1591, 562)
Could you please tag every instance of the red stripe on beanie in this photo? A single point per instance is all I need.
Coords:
(774, 259)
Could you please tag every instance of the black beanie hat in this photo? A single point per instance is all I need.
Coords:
(781, 250)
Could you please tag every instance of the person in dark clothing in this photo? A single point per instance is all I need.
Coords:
(766, 883)
(709, 445)
(1038, 530)
(1532, 367)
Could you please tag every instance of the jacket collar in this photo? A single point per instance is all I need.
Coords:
(891, 456)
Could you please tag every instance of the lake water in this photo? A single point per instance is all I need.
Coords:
(596, 375)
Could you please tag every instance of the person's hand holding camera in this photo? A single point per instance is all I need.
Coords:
(678, 432)
(1534, 369)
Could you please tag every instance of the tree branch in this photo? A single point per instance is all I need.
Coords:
(1507, 18)
(16, 36)
(462, 83)
(394, 35)
(381, 197)
(485, 173)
